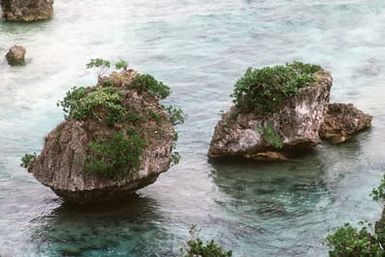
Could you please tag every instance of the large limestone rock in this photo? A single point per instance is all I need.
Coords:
(61, 164)
(295, 124)
(27, 10)
(342, 121)
(16, 55)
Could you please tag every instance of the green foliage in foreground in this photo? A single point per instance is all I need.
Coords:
(265, 90)
(378, 193)
(27, 160)
(270, 136)
(197, 248)
(348, 241)
(113, 156)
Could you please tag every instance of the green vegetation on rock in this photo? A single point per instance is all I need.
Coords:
(348, 241)
(196, 247)
(378, 193)
(119, 121)
(112, 156)
(81, 103)
(175, 114)
(270, 136)
(146, 82)
(27, 160)
(265, 90)
(98, 63)
(121, 65)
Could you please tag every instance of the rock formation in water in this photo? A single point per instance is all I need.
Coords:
(281, 110)
(16, 55)
(342, 121)
(27, 10)
(268, 135)
(116, 138)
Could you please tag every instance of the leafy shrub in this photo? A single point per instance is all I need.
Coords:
(378, 193)
(348, 241)
(27, 160)
(98, 63)
(154, 116)
(265, 90)
(122, 150)
(175, 158)
(104, 65)
(146, 82)
(121, 65)
(175, 114)
(113, 156)
(196, 247)
(79, 104)
(270, 135)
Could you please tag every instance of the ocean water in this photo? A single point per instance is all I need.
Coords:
(199, 48)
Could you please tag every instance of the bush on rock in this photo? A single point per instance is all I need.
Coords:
(265, 90)
(277, 111)
(116, 137)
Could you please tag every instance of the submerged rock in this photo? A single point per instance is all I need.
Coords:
(271, 136)
(92, 157)
(16, 55)
(342, 121)
(27, 10)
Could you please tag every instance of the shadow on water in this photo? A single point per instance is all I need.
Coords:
(283, 199)
(273, 189)
(129, 228)
(293, 203)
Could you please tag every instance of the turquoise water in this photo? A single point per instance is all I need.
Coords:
(199, 48)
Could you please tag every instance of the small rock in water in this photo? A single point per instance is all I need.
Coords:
(342, 121)
(26, 10)
(16, 55)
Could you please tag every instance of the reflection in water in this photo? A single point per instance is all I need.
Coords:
(129, 228)
(273, 197)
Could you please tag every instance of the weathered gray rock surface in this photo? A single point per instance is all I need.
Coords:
(16, 55)
(342, 121)
(296, 124)
(60, 165)
(27, 10)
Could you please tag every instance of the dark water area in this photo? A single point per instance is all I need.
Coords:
(199, 48)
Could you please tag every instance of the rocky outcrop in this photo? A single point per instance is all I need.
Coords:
(61, 164)
(27, 10)
(271, 136)
(342, 121)
(16, 55)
